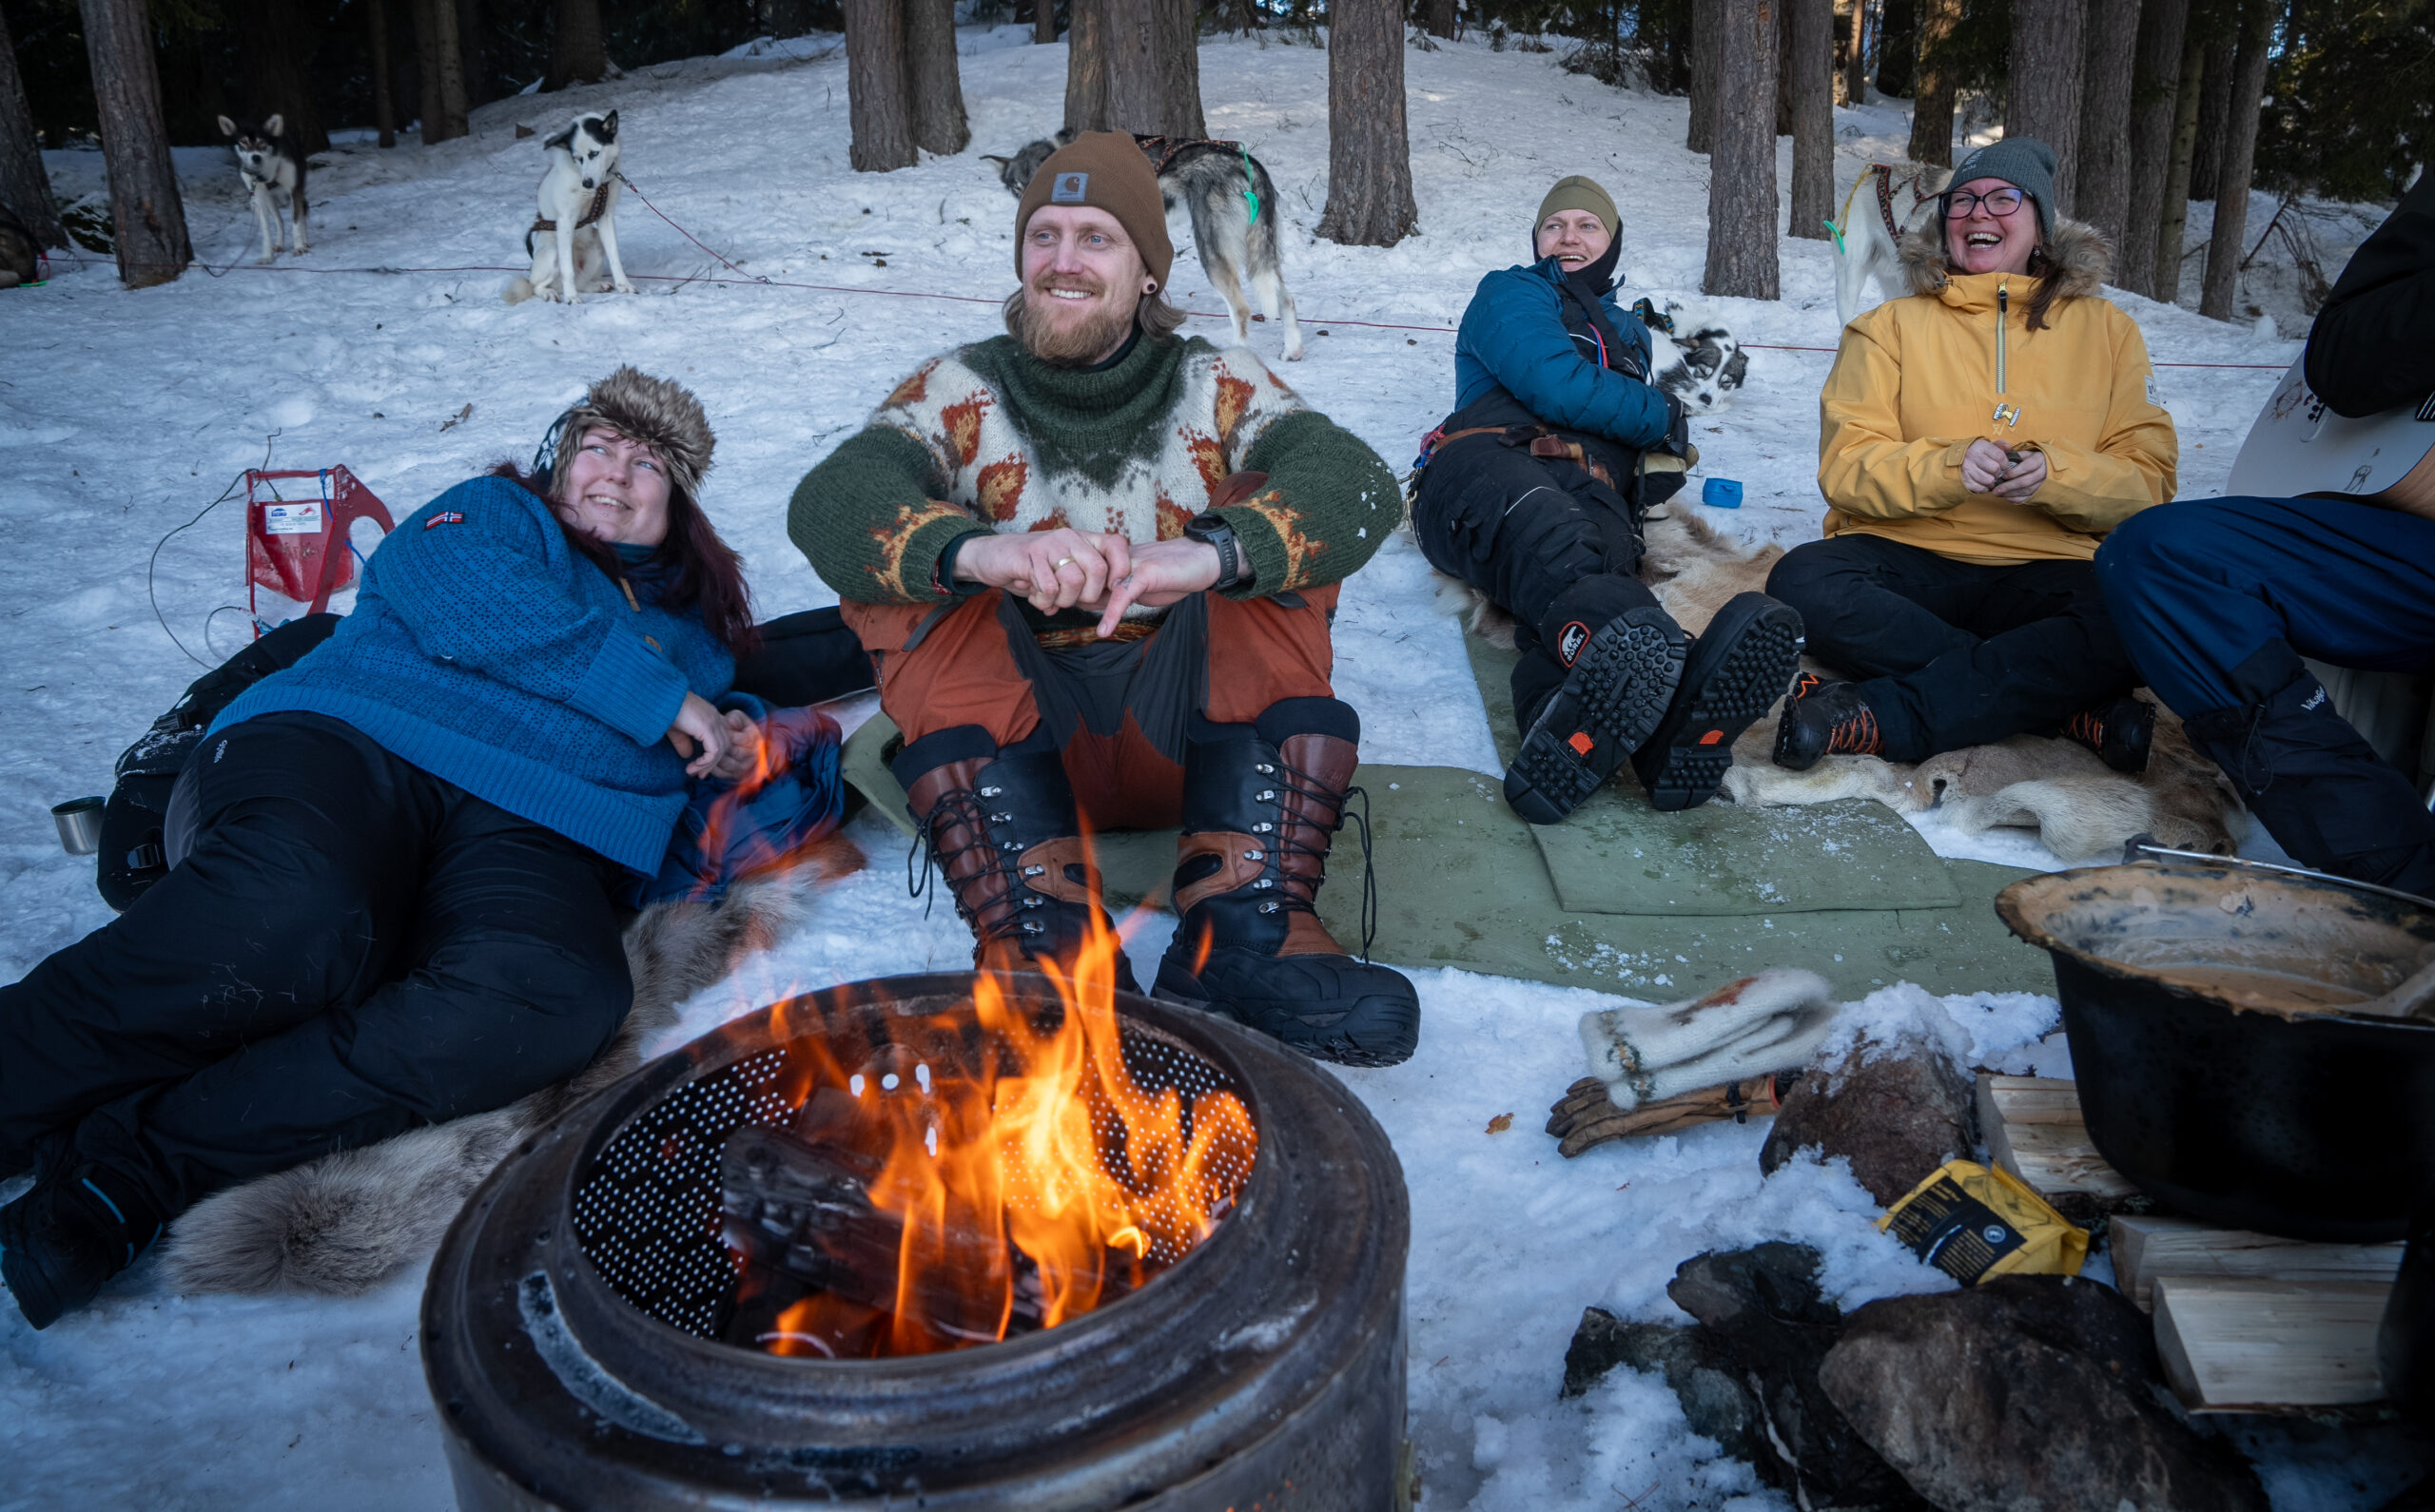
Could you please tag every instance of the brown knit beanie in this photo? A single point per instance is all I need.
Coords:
(1106, 171)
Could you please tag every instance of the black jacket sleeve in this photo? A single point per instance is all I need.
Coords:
(2373, 345)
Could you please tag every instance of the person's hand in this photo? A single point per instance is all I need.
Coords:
(1163, 573)
(1054, 569)
(743, 755)
(1982, 465)
(2024, 479)
(700, 733)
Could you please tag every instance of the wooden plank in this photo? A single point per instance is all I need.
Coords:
(2147, 1247)
(2245, 1346)
(2034, 1130)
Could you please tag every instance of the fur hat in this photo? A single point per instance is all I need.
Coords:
(2025, 162)
(1106, 171)
(663, 415)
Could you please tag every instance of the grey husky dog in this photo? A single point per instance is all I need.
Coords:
(576, 228)
(269, 162)
(1234, 217)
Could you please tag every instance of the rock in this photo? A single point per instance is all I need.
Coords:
(1895, 1116)
(1772, 1328)
(2026, 1392)
(1695, 1366)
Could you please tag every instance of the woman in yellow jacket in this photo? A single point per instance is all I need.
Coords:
(1977, 439)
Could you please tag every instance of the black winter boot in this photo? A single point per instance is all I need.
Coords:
(1823, 719)
(1002, 828)
(1261, 808)
(60, 1242)
(2315, 783)
(1737, 669)
(1622, 680)
(2121, 732)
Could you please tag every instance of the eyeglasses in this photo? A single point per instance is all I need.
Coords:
(1999, 203)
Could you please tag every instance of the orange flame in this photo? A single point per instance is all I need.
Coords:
(1033, 1177)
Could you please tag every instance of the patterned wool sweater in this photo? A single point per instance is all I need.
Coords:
(988, 438)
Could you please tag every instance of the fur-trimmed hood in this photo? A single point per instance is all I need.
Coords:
(2082, 256)
(662, 414)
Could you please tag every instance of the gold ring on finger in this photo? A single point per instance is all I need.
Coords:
(1062, 561)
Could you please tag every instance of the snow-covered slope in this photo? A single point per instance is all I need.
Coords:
(121, 414)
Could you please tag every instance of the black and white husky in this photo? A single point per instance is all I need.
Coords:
(1234, 212)
(576, 228)
(269, 163)
(1693, 356)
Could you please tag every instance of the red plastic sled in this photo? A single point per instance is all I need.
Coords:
(298, 550)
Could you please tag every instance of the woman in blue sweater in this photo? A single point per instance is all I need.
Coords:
(395, 906)
(1532, 492)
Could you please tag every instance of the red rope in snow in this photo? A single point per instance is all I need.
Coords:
(755, 280)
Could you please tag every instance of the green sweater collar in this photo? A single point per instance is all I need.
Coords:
(1087, 421)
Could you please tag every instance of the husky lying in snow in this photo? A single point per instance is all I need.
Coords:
(1886, 202)
(1694, 357)
(269, 162)
(1217, 182)
(577, 225)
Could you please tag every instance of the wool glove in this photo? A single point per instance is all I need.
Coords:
(1744, 1030)
(1587, 1116)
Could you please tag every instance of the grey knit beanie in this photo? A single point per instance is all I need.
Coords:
(2025, 162)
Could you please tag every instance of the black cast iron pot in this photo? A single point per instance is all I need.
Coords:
(2312, 1125)
(568, 1334)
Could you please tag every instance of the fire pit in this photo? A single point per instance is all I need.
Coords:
(951, 1240)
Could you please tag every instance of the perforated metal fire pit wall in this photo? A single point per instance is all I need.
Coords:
(565, 1324)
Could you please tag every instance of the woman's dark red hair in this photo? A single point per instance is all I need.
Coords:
(709, 575)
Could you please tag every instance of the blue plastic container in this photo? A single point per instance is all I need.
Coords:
(1722, 493)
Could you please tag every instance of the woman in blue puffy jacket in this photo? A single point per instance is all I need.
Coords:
(1532, 491)
(398, 905)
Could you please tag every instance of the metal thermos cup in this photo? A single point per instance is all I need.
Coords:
(80, 824)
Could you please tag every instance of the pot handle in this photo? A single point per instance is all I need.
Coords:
(2140, 847)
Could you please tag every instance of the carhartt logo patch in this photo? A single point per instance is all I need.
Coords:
(1069, 188)
(1569, 640)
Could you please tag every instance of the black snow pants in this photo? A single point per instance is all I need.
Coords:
(1543, 538)
(1955, 654)
(354, 947)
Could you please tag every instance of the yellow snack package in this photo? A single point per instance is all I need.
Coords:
(1972, 1222)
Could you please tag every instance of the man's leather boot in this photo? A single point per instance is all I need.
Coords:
(1261, 803)
(1002, 829)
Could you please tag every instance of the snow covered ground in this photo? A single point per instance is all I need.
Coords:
(123, 414)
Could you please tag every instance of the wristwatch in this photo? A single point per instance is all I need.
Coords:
(1212, 530)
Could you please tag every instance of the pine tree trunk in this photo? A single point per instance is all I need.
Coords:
(578, 48)
(1897, 50)
(877, 86)
(1369, 201)
(273, 81)
(1154, 67)
(1855, 86)
(1847, 23)
(1437, 17)
(2239, 163)
(426, 71)
(2043, 95)
(384, 105)
(2155, 78)
(2215, 118)
(448, 62)
(1932, 112)
(1086, 65)
(1785, 72)
(1706, 17)
(1742, 166)
(2112, 38)
(1813, 116)
(939, 123)
(2173, 219)
(25, 187)
(1044, 21)
(145, 212)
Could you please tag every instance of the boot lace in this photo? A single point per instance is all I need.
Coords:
(2086, 727)
(1855, 734)
(962, 807)
(1301, 894)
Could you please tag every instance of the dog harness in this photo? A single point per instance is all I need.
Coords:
(592, 213)
(1885, 176)
(1162, 152)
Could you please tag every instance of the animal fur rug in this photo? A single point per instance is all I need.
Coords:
(2083, 809)
(344, 1222)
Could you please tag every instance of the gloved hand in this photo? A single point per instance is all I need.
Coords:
(1744, 1030)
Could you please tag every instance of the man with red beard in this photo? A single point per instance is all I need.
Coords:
(1093, 560)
